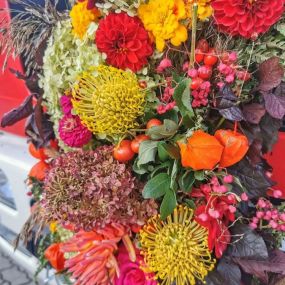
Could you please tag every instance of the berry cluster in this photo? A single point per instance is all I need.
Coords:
(229, 71)
(267, 216)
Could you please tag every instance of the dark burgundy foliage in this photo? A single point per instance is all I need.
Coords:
(253, 113)
(229, 271)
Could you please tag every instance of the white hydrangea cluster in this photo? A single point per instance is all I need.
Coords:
(129, 6)
(65, 58)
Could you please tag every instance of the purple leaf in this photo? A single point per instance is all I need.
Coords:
(275, 263)
(271, 73)
(255, 152)
(275, 105)
(18, 114)
(253, 113)
(232, 114)
(229, 271)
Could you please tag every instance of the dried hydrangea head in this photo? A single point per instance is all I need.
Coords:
(91, 189)
(108, 100)
(176, 250)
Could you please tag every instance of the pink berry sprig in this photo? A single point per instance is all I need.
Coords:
(268, 216)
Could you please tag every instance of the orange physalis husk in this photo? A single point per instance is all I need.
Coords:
(235, 146)
(39, 170)
(55, 256)
(202, 151)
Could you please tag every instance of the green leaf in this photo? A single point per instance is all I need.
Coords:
(190, 203)
(199, 175)
(147, 152)
(168, 129)
(182, 98)
(170, 115)
(168, 204)
(168, 150)
(173, 177)
(164, 165)
(186, 181)
(139, 169)
(157, 186)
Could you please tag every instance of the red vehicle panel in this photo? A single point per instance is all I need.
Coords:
(12, 90)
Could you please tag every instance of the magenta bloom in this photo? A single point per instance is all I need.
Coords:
(130, 272)
(72, 132)
(66, 105)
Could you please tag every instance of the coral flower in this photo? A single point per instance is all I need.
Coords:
(72, 132)
(108, 100)
(55, 257)
(162, 19)
(124, 40)
(202, 151)
(176, 250)
(82, 17)
(94, 262)
(247, 18)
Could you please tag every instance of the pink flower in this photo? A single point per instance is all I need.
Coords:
(244, 197)
(130, 272)
(72, 132)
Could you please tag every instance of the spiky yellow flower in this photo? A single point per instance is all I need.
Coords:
(81, 18)
(162, 19)
(176, 250)
(204, 8)
(108, 100)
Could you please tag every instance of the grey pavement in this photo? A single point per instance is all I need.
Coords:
(11, 273)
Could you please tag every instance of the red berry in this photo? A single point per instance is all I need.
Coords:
(199, 56)
(196, 82)
(135, 145)
(243, 75)
(210, 59)
(123, 152)
(153, 123)
(205, 72)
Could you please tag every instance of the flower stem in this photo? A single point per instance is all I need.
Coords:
(194, 32)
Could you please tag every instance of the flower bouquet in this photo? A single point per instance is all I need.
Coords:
(150, 121)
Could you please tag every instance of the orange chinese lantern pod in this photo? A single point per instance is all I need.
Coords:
(39, 170)
(37, 153)
(202, 151)
(235, 146)
(55, 256)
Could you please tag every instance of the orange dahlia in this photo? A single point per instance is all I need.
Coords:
(247, 18)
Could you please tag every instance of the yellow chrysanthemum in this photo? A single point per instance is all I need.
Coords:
(108, 100)
(176, 250)
(162, 19)
(204, 8)
(81, 18)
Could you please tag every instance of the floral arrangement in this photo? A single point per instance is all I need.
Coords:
(150, 122)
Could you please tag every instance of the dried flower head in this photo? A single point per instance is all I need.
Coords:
(176, 250)
(108, 100)
(91, 189)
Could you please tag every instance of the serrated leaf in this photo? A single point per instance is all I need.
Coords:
(168, 204)
(182, 98)
(271, 73)
(247, 243)
(157, 186)
(147, 152)
(168, 129)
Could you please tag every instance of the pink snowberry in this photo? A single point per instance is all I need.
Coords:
(228, 179)
(232, 209)
(273, 224)
(214, 213)
(192, 73)
(203, 217)
(277, 194)
(259, 214)
(164, 64)
(253, 226)
(244, 197)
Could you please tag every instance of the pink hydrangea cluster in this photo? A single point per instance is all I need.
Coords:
(91, 189)
(229, 71)
(268, 216)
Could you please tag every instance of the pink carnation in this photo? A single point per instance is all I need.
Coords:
(72, 132)
(130, 272)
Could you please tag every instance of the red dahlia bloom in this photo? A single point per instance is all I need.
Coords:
(247, 18)
(124, 40)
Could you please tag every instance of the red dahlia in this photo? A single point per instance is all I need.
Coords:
(124, 40)
(247, 18)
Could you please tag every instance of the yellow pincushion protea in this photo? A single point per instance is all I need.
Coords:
(204, 8)
(162, 19)
(176, 250)
(108, 100)
(81, 18)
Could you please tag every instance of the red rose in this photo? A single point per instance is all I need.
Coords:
(124, 40)
(247, 18)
